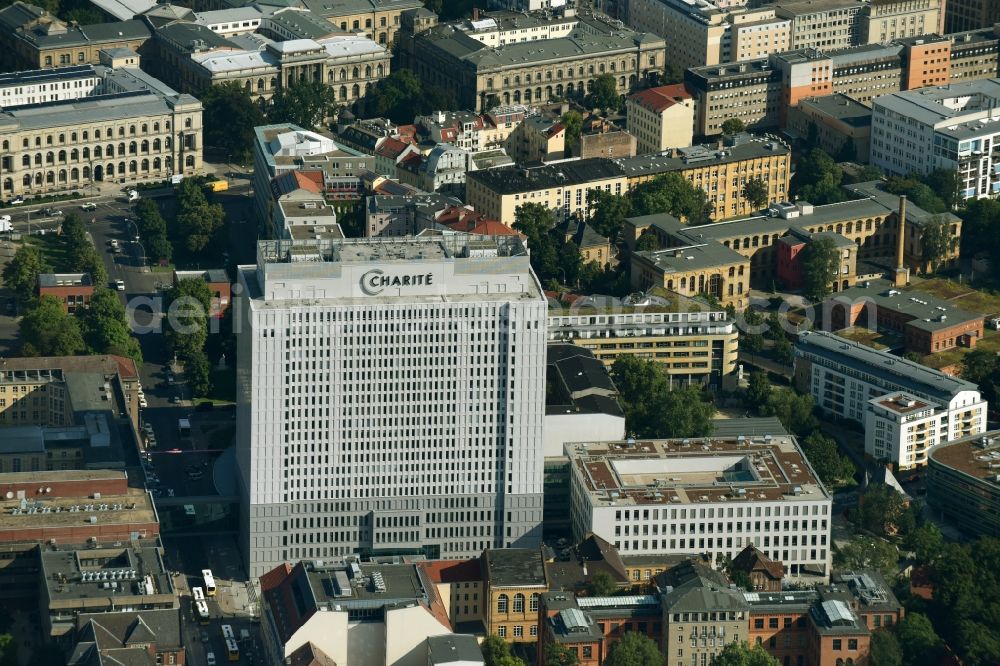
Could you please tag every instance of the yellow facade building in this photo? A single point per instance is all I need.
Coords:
(515, 579)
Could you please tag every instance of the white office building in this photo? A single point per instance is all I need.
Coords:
(953, 127)
(904, 406)
(391, 398)
(49, 85)
(712, 496)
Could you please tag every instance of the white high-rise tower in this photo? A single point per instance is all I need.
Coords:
(391, 398)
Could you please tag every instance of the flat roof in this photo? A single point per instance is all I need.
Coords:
(515, 567)
(32, 76)
(691, 257)
(511, 180)
(896, 372)
(841, 107)
(134, 507)
(100, 573)
(373, 585)
(694, 157)
(927, 312)
(689, 471)
(927, 105)
(977, 456)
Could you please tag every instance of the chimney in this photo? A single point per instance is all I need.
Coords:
(475, 13)
(902, 276)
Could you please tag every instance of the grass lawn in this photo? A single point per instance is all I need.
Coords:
(980, 301)
(53, 248)
(941, 287)
(863, 336)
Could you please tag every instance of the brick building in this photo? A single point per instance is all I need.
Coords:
(72, 289)
(218, 284)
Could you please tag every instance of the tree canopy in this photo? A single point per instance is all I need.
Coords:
(864, 552)
(741, 654)
(653, 408)
(884, 649)
(572, 122)
(230, 114)
(81, 255)
(188, 308)
(981, 231)
(822, 453)
(557, 654)
(496, 652)
(305, 103)
(817, 178)
(755, 192)
(607, 213)
(401, 96)
(917, 190)
(794, 410)
(47, 330)
(634, 649)
(935, 241)
(601, 584)
(982, 367)
(820, 265)
(604, 94)
(104, 326)
(670, 193)
(732, 126)
(21, 274)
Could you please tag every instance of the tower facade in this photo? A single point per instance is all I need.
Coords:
(391, 398)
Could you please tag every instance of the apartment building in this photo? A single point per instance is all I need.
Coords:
(48, 85)
(200, 50)
(432, 282)
(885, 20)
(650, 497)
(844, 377)
(971, 15)
(951, 127)
(514, 580)
(975, 55)
(661, 118)
(136, 129)
(489, 62)
(697, 268)
(562, 187)
(691, 343)
(839, 124)
(963, 483)
(721, 170)
(72, 289)
(32, 38)
(822, 24)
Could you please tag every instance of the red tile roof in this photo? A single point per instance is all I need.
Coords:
(391, 148)
(453, 571)
(659, 99)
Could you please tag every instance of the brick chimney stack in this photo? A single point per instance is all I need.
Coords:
(902, 276)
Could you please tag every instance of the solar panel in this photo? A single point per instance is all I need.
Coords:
(838, 612)
(573, 618)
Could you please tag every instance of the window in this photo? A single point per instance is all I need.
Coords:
(502, 631)
(518, 631)
(518, 603)
(533, 604)
(852, 643)
(502, 602)
(838, 644)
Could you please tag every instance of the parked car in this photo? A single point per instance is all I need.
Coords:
(133, 195)
(113, 243)
(143, 403)
(210, 659)
(120, 285)
(175, 399)
(16, 201)
(51, 212)
(90, 205)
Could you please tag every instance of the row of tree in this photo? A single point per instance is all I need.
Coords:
(189, 305)
(654, 407)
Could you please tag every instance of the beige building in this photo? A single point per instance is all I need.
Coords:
(822, 24)
(690, 341)
(962, 15)
(886, 20)
(661, 118)
(696, 269)
(841, 126)
(696, 33)
(198, 51)
(537, 139)
(137, 130)
(497, 193)
(758, 33)
(32, 38)
(484, 71)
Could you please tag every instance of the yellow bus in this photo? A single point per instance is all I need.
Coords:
(201, 612)
(227, 633)
(206, 575)
(232, 650)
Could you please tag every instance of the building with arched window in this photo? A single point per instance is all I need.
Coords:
(66, 142)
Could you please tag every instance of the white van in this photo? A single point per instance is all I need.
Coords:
(133, 195)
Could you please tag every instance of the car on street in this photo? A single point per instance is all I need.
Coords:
(204, 636)
(120, 285)
(113, 243)
(210, 659)
(16, 201)
(175, 399)
(133, 195)
(143, 402)
(170, 492)
(90, 205)
(52, 212)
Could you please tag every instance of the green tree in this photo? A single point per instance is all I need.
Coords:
(822, 453)
(885, 650)
(81, 255)
(864, 552)
(926, 541)
(981, 230)
(634, 649)
(229, 115)
(48, 654)
(557, 654)
(758, 389)
(672, 73)
(652, 408)
(536, 222)
(198, 373)
(496, 652)
(187, 306)
(47, 330)
(982, 367)
(741, 654)
(795, 411)
(21, 274)
(604, 94)
(820, 265)
(917, 191)
(935, 241)
(880, 510)
(755, 192)
(945, 184)
(104, 326)
(753, 342)
(304, 103)
(200, 226)
(732, 126)
(783, 352)
(607, 213)
(817, 178)
(8, 650)
(670, 193)
(920, 643)
(647, 241)
(601, 584)
(867, 173)
(572, 121)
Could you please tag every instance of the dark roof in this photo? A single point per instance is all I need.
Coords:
(582, 234)
(576, 382)
(688, 570)
(127, 629)
(508, 180)
(514, 567)
(750, 427)
(595, 549)
(750, 559)
(703, 592)
(308, 654)
(454, 647)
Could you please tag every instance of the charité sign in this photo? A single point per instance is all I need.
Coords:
(375, 280)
